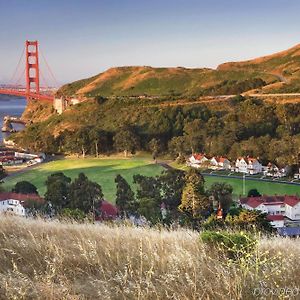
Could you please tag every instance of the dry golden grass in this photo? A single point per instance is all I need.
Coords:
(51, 260)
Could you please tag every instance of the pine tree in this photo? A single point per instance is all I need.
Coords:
(194, 200)
(124, 197)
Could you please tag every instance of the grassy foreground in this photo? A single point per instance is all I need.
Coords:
(102, 171)
(52, 260)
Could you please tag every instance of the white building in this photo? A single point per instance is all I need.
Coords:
(292, 208)
(248, 165)
(13, 203)
(279, 206)
(197, 159)
(272, 170)
(11, 206)
(297, 175)
(277, 221)
(220, 162)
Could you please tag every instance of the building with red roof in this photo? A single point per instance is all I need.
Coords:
(275, 206)
(14, 203)
(198, 158)
(248, 165)
(221, 162)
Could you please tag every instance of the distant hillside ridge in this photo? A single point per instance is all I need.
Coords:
(275, 73)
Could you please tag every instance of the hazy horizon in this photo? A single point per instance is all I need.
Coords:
(84, 38)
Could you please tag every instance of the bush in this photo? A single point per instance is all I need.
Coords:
(72, 214)
(233, 245)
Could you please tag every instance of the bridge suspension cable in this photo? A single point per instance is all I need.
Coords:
(11, 81)
(20, 78)
(49, 69)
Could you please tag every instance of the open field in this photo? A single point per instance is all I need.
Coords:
(102, 171)
(52, 260)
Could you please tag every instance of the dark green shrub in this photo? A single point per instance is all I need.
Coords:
(233, 245)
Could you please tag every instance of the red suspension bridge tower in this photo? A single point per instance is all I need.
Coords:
(32, 67)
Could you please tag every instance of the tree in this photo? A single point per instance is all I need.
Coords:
(126, 140)
(99, 138)
(58, 190)
(246, 219)
(194, 133)
(147, 187)
(254, 193)
(178, 146)
(25, 187)
(85, 195)
(155, 148)
(222, 192)
(149, 209)
(194, 201)
(124, 197)
(82, 140)
(171, 184)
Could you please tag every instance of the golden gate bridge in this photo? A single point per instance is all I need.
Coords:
(32, 89)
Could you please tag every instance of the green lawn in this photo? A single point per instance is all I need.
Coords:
(267, 188)
(102, 171)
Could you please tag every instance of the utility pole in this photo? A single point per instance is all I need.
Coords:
(244, 184)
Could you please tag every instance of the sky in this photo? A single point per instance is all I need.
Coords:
(81, 38)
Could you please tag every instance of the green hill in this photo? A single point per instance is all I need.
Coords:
(279, 72)
(285, 65)
(148, 81)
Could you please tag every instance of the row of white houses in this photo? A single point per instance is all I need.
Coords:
(246, 165)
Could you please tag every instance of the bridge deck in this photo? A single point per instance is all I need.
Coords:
(36, 96)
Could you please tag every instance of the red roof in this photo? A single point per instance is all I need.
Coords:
(273, 203)
(270, 200)
(248, 159)
(254, 202)
(275, 217)
(198, 156)
(21, 197)
(220, 159)
(291, 200)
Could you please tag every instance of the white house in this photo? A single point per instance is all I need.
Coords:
(297, 175)
(15, 203)
(279, 206)
(221, 162)
(197, 159)
(248, 165)
(292, 208)
(273, 171)
(12, 206)
(277, 221)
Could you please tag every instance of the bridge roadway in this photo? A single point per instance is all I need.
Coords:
(22, 93)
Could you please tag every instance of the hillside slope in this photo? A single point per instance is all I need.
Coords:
(279, 72)
(285, 65)
(148, 81)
